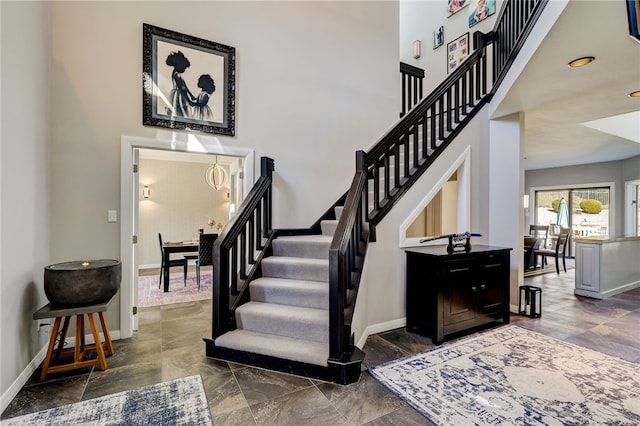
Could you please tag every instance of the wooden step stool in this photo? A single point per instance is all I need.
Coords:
(80, 350)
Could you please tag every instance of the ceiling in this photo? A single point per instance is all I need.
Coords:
(556, 99)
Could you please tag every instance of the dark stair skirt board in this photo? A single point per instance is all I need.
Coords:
(341, 372)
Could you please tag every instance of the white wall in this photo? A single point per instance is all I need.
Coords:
(418, 20)
(24, 182)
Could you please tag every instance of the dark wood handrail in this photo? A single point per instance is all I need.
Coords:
(238, 250)
(513, 25)
(346, 255)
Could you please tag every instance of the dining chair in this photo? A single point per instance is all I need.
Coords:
(560, 249)
(541, 232)
(171, 262)
(205, 253)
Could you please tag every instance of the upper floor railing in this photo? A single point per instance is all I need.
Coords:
(412, 78)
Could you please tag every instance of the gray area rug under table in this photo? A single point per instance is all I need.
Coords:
(511, 376)
(177, 402)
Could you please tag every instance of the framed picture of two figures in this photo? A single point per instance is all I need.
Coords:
(188, 82)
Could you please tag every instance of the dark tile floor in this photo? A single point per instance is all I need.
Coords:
(169, 345)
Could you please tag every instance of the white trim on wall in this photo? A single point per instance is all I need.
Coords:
(631, 208)
(169, 141)
(462, 166)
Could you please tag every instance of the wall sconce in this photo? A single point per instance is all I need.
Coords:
(525, 201)
(146, 192)
(417, 49)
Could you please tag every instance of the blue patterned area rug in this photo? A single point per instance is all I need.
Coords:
(513, 376)
(177, 402)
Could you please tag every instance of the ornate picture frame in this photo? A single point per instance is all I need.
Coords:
(188, 82)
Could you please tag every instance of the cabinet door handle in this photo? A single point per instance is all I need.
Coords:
(482, 287)
(474, 288)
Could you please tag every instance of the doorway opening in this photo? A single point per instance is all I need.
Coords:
(175, 149)
(177, 202)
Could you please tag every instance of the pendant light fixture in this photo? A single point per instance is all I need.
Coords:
(216, 176)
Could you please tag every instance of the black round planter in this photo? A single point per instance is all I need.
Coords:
(81, 283)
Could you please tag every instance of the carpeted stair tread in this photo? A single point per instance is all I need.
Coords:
(297, 268)
(308, 294)
(282, 320)
(308, 246)
(329, 227)
(276, 346)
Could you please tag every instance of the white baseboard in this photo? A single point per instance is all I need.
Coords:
(380, 328)
(23, 378)
(20, 381)
(150, 266)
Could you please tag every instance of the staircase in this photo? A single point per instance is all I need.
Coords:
(284, 299)
(288, 313)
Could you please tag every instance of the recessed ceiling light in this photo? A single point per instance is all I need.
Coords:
(635, 94)
(580, 62)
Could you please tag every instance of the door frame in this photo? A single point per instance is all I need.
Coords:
(169, 141)
(631, 208)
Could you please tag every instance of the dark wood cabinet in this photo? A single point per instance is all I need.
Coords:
(450, 293)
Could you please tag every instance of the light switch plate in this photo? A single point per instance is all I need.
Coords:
(112, 216)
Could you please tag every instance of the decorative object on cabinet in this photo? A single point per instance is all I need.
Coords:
(188, 82)
(457, 242)
(454, 292)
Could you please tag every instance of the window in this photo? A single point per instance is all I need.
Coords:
(587, 213)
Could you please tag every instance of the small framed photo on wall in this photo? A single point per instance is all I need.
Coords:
(455, 5)
(438, 37)
(481, 10)
(457, 52)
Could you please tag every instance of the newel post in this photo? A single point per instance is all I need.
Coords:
(267, 166)
(361, 161)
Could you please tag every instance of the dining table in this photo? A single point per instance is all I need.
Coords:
(531, 244)
(175, 247)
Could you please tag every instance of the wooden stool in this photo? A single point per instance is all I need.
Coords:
(80, 350)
